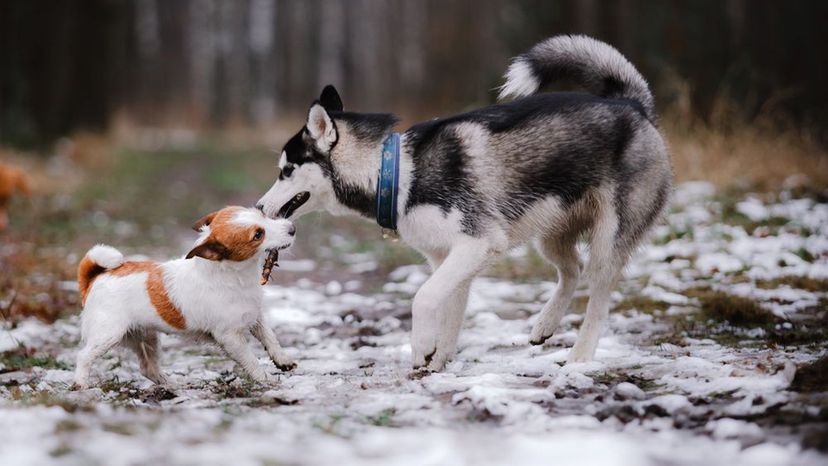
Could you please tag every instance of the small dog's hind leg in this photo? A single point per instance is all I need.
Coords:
(235, 345)
(562, 252)
(265, 335)
(94, 348)
(145, 345)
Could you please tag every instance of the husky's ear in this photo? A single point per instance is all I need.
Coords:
(210, 250)
(330, 99)
(204, 221)
(321, 127)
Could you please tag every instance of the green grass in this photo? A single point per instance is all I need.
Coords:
(717, 306)
(22, 358)
(614, 378)
(731, 216)
(331, 425)
(802, 283)
(384, 418)
(642, 304)
(812, 378)
(733, 314)
(45, 398)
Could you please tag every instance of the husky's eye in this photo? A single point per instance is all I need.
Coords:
(258, 235)
(286, 171)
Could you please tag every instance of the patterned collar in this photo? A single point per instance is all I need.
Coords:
(388, 184)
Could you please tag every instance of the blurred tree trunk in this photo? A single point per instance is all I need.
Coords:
(73, 64)
(202, 59)
(586, 17)
(332, 48)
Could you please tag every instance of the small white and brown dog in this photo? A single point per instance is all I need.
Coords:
(214, 291)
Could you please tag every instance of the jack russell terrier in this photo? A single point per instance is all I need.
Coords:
(214, 291)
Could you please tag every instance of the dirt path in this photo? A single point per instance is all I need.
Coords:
(706, 361)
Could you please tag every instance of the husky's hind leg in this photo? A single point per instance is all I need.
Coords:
(562, 252)
(606, 262)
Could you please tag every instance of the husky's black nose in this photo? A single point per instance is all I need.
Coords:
(292, 229)
(260, 207)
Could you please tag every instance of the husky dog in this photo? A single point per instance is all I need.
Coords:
(550, 167)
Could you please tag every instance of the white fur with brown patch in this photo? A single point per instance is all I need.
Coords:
(215, 292)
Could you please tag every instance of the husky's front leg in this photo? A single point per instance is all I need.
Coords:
(438, 307)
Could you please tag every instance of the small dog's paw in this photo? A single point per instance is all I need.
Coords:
(418, 374)
(78, 386)
(265, 379)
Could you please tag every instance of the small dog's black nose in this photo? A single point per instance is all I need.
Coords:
(260, 207)
(292, 229)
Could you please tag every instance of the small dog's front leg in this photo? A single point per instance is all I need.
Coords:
(235, 345)
(265, 335)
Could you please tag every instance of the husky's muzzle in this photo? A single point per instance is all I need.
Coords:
(290, 207)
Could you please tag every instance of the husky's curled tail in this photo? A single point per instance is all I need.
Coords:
(598, 67)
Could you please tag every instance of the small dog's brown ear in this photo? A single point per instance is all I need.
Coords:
(209, 250)
(204, 221)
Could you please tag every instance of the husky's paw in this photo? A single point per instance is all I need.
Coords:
(578, 354)
(285, 364)
(423, 347)
(438, 360)
(540, 334)
(420, 360)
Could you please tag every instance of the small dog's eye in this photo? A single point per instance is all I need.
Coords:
(258, 235)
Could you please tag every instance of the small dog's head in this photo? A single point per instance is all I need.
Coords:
(238, 234)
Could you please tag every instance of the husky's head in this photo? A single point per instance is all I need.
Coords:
(334, 157)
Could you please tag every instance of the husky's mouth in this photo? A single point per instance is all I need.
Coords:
(296, 202)
(272, 257)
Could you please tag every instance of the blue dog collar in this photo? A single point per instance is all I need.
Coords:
(388, 184)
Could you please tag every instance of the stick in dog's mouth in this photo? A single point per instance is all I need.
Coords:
(272, 258)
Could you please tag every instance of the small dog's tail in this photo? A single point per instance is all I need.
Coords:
(595, 65)
(98, 260)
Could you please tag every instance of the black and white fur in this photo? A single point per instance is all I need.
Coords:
(549, 167)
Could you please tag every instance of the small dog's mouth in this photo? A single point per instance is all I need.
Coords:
(271, 261)
(296, 202)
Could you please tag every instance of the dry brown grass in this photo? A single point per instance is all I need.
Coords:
(760, 154)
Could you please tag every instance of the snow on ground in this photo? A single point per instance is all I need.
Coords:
(666, 387)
